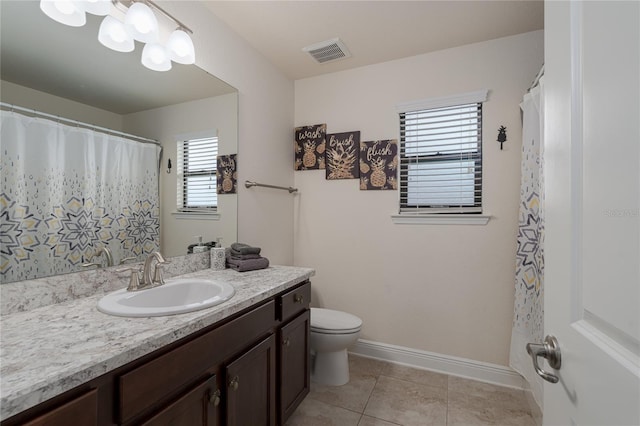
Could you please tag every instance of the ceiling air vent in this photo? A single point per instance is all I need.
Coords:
(327, 51)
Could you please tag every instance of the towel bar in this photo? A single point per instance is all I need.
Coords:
(249, 184)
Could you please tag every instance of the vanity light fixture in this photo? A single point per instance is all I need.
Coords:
(140, 23)
(66, 12)
(155, 57)
(114, 35)
(98, 7)
(180, 47)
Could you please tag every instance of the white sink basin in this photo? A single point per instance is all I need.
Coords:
(176, 296)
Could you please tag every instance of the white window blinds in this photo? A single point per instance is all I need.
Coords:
(197, 175)
(441, 159)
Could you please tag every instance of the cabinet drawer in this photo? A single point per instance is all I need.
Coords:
(294, 301)
(80, 411)
(193, 408)
(154, 382)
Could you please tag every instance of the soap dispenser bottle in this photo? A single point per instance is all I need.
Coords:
(199, 248)
(218, 260)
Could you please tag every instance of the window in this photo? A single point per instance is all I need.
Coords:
(197, 175)
(441, 156)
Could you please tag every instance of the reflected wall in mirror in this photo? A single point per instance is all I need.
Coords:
(66, 72)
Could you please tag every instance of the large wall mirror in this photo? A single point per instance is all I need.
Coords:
(64, 71)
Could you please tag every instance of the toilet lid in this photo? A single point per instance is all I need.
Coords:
(330, 321)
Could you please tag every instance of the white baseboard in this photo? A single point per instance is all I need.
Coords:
(446, 364)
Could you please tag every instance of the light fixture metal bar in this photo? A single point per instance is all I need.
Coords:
(170, 16)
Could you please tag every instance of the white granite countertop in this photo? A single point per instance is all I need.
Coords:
(49, 350)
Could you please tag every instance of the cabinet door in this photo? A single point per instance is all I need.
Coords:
(81, 411)
(196, 407)
(294, 364)
(251, 386)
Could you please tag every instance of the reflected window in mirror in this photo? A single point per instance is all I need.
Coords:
(197, 174)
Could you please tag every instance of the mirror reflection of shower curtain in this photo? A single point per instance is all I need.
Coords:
(528, 320)
(67, 191)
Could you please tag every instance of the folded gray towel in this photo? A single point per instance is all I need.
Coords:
(248, 265)
(240, 248)
(243, 256)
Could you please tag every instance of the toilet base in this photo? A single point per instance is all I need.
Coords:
(330, 368)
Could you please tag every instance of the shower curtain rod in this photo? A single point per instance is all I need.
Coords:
(76, 123)
(249, 184)
(537, 79)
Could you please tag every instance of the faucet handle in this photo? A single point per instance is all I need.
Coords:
(157, 274)
(134, 281)
(90, 264)
(127, 259)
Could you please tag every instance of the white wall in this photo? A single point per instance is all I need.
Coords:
(217, 115)
(265, 128)
(440, 288)
(34, 99)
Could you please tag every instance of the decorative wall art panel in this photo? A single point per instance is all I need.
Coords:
(379, 164)
(342, 154)
(227, 174)
(309, 147)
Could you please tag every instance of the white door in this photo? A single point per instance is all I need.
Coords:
(592, 184)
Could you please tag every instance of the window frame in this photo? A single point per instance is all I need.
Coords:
(183, 174)
(450, 211)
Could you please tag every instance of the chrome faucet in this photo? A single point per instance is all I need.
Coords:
(107, 254)
(102, 250)
(156, 279)
(142, 278)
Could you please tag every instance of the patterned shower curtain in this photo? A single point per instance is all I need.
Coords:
(67, 191)
(528, 321)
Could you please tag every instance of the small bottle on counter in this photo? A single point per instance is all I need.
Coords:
(200, 248)
(218, 260)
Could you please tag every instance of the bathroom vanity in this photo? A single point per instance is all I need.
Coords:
(244, 362)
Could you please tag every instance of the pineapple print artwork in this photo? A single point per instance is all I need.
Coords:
(309, 157)
(226, 174)
(378, 176)
(342, 156)
(227, 181)
(309, 147)
(378, 164)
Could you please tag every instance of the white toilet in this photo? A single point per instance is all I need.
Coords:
(332, 332)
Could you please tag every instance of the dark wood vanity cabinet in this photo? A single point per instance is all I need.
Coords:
(250, 369)
(294, 364)
(82, 410)
(196, 407)
(251, 386)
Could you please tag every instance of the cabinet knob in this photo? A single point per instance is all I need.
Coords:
(215, 398)
(286, 342)
(298, 298)
(233, 384)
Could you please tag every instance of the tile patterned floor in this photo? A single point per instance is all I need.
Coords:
(384, 394)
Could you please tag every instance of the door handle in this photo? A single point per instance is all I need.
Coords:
(549, 350)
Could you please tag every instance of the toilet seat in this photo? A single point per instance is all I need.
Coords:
(328, 321)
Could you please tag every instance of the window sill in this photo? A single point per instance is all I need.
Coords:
(440, 219)
(196, 215)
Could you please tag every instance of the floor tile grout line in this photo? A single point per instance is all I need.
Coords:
(334, 405)
(370, 394)
(446, 416)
